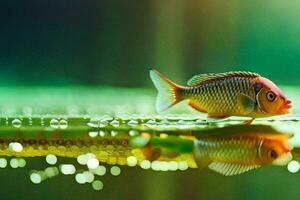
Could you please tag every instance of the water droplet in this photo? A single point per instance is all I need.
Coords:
(133, 133)
(183, 165)
(15, 146)
(80, 178)
(21, 162)
(155, 165)
(151, 123)
(67, 169)
(89, 176)
(293, 166)
(114, 133)
(51, 171)
(100, 170)
(97, 185)
(115, 170)
(103, 133)
(93, 134)
(63, 124)
(54, 123)
(3, 162)
(83, 159)
(36, 178)
(131, 161)
(102, 123)
(92, 163)
(17, 123)
(115, 123)
(132, 123)
(94, 123)
(14, 163)
(145, 164)
(51, 159)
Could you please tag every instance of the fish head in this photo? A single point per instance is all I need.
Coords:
(271, 100)
(276, 151)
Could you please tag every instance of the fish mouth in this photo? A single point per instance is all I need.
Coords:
(283, 160)
(285, 108)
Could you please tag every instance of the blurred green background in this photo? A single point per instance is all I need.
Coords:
(113, 43)
(55, 42)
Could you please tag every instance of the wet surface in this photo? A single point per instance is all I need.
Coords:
(84, 138)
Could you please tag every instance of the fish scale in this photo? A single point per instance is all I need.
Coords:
(236, 148)
(220, 96)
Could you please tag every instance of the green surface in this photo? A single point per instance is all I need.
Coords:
(84, 110)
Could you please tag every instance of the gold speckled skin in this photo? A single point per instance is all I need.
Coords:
(220, 96)
(238, 149)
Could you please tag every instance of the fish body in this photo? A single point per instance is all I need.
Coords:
(223, 94)
(232, 154)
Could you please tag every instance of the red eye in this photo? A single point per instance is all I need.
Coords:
(273, 154)
(271, 96)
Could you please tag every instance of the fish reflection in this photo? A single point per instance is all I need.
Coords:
(231, 150)
(237, 149)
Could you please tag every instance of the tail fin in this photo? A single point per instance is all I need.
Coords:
(168, 92)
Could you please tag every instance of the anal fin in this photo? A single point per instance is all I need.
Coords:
(196, 106)
(230, 169)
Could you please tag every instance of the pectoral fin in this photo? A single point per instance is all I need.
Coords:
(229, 169)
(246, 103)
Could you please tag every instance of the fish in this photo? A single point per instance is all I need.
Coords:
(221, 95)
(232, 151)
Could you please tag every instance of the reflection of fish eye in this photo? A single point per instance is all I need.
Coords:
(271, 96)
(273, 154)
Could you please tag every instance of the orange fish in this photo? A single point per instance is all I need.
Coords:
(222, 95)
(232, 151)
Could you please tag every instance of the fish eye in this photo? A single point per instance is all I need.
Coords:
(271, 96)
(273, 154)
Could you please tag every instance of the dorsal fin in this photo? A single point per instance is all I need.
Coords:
(200, 78)
(229, 169)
